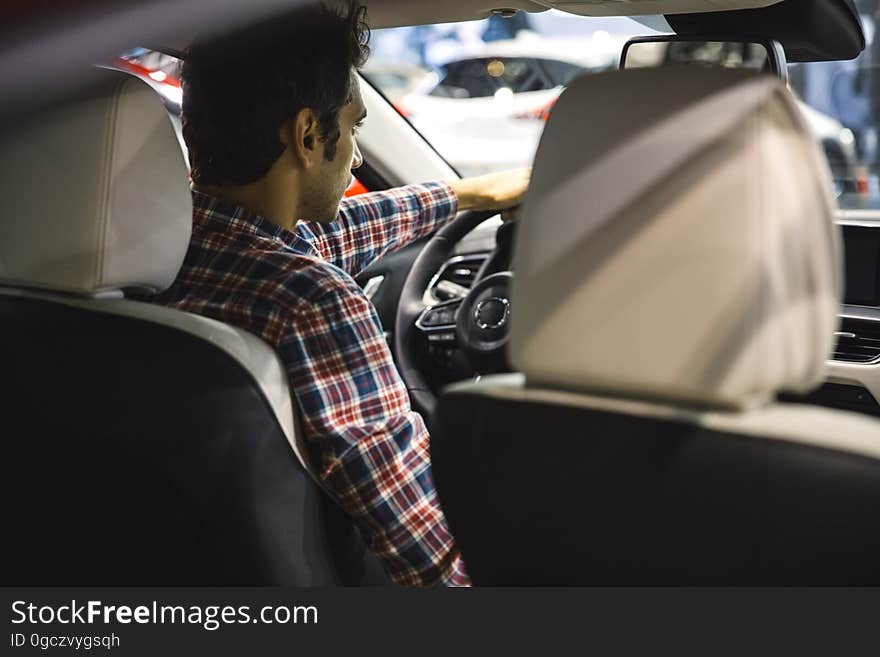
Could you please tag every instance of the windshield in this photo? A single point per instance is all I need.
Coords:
(481, 91)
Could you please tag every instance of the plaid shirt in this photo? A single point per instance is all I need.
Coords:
(295, 290)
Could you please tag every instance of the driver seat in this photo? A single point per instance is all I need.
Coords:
(141, 445)
(677, 266)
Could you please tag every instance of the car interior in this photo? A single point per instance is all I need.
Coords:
(665, 371)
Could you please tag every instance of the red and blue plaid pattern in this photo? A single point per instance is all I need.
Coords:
(295, 290)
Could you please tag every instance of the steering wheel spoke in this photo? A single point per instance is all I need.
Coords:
(437, 322)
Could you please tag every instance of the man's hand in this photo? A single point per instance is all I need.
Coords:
(494, 191)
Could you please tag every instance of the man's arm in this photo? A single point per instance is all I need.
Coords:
(371, 225)
(374, 448)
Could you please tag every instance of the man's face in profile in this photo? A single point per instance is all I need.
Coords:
(333, 176)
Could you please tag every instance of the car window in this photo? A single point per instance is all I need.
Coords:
(505, 75)
(842, 102)
(481, 91)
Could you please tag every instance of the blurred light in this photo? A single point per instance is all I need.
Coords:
(495, 68)
(846, 137)
(158, 76)
(504, 95)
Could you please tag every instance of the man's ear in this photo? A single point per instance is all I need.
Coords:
(300, 135)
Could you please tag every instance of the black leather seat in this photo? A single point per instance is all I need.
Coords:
(659, 305)
(137, 453)
(142, 446)
(543, 492)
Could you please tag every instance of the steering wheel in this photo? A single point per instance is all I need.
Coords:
(477, 323)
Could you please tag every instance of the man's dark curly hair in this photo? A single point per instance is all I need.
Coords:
(239, 89)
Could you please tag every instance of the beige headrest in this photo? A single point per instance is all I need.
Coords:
(95, 193)
(677, 241)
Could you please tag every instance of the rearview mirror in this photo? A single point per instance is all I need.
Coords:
(653, 52)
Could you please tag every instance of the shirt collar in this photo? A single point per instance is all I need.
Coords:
(209, 209)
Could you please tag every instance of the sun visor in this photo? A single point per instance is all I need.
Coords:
(809, 30)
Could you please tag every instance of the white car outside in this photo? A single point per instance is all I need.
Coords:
(479, 127)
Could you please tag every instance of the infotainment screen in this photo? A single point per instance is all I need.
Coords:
(862, 252)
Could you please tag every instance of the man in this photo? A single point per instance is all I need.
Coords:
(270, 121)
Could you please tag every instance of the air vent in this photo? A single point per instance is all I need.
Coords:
(462, 269)
(456, 276)
(858, 341)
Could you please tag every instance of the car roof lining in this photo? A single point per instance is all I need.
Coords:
(392, 13)
(809, 30)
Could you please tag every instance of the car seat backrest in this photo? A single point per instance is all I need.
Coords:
(142, 445)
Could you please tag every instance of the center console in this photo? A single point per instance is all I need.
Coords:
(854, 366)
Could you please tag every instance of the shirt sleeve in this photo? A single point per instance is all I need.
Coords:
(374, 448)
(371, 225)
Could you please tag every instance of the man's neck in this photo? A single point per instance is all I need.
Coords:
(273, 201)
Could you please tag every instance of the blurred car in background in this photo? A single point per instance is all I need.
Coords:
(485, 112)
